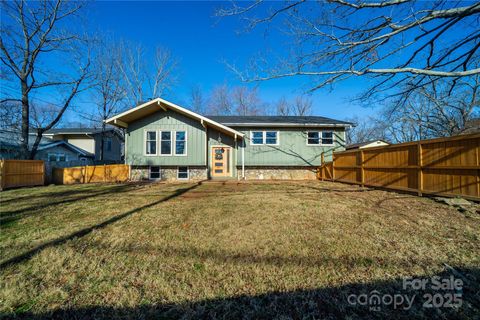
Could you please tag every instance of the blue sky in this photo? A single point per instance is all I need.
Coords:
(201, 42)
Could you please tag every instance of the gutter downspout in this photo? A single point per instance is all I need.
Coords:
(243, 158)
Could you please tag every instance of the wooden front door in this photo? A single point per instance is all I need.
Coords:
(220, 162)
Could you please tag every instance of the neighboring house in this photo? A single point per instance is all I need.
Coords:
(48, 149)
(90, 140)
(471, 126)
(367, 144)
(166, 141)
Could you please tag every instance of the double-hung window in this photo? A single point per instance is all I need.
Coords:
(327, 138)
(271, 137)
(264, 137)
(151, 142)
(257, 137)
(165, 142)
(180, 143)
(324, 138)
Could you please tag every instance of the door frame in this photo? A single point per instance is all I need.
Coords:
(229, 164)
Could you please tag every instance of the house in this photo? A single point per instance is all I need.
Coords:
(471, 126)
(367, 144)
(48, 149)
(90, 140)
(166, 141)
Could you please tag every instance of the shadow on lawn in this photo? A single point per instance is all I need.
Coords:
(69, 196)
(352, 301)
(25, 256)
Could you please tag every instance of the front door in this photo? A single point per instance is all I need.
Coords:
(221, 162)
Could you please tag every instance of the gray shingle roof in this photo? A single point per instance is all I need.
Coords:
(277, 120)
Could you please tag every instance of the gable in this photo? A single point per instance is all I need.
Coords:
(123, 119)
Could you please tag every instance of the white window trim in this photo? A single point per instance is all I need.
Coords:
(251, 138)
(172, 140)
(145, 143)
(320, 144)
(188, 173)
(150, 173)
(175, 143)
(57, 156)
(264, 138)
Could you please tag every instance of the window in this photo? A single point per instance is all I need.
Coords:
(108, 144)
(165, 143)
(313, 138)
(271, 137)
(320, 138)
(182, 173)
(57, 157)
(154, 173)
(327, 137)
(180, 143)
(264, 137)
(151, 143)
(257, 137)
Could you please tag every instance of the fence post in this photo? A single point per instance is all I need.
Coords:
(333, 167)
(2, 174)
(43, 173)
(419, 168)
(362, 171)
(104, 173)
(322, 167)
(478, 171)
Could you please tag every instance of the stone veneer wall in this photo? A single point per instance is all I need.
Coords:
(138, 173)
(279, 173)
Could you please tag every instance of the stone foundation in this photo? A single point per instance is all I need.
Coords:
(138, 173)
(279, 173)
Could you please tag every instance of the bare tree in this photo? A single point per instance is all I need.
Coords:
(282, 107)
(392, 42)
(197, 102)
(247, 101)
(11, 115)
(31, 31)
(433, 111)
(109, 90)
(367, 129)
(144, 79)
(302, 106)
(220, 101)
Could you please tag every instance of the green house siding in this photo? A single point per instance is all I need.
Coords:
(292, 149)
(167, 121)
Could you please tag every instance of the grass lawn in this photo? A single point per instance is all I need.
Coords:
(213, 250)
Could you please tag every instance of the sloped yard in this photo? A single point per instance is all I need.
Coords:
(234, 250)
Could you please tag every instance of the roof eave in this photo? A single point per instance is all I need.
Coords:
(293, 125)
(117, 120)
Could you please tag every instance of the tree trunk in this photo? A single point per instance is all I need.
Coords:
(24, 153)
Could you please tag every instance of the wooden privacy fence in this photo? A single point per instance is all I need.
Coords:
(446, 166)
(90, 174)
(21, 173)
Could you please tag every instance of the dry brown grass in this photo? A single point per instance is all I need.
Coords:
(253, 250)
